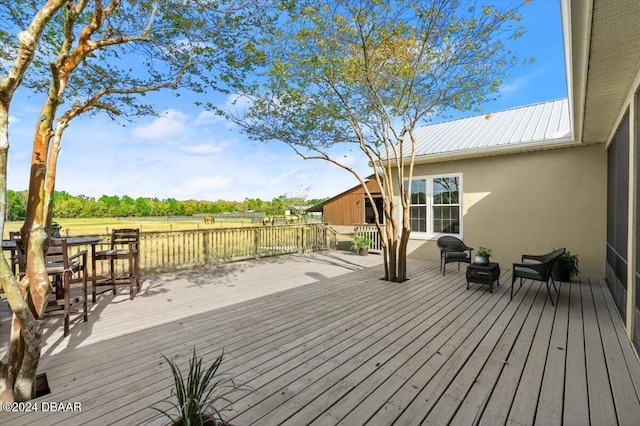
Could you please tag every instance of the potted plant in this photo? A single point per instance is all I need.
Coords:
(199, 393)
(482, 257)
(566, 267)
(361, 244)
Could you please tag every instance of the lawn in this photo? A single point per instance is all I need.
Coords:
(93, 226)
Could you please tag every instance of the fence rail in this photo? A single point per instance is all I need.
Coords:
(171, 250)
(162, 251)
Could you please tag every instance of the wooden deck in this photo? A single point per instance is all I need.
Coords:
(352, 349)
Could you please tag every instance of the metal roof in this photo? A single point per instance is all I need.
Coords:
(527, 127)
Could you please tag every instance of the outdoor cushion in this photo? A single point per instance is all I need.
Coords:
(455, 254)
(528, 273)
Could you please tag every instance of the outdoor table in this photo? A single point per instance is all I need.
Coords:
(71, 241)
(483, 274)
(10, 245)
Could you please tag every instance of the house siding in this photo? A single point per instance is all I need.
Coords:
(531, 203)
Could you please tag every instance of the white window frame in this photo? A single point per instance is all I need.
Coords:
(430, 234)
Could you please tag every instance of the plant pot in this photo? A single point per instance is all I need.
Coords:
(481, 260)
(558, 273)
(207, 420)
(363, 252)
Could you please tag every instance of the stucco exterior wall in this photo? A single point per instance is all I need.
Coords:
(530, 203)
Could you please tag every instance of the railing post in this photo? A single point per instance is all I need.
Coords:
(256, 242)
(205, 247)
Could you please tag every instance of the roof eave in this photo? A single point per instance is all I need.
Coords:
(576, 32)
(565, 142)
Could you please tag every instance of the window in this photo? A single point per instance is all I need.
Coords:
(434, 204)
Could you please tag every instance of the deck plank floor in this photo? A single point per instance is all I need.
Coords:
(348, 348)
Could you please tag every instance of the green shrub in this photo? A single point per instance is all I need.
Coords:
(361, 242)
(199, 394)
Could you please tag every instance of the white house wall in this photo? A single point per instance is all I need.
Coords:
(530, 203)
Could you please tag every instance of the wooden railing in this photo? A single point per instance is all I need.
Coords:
(171, 250)
(370, 231)
(162, 251)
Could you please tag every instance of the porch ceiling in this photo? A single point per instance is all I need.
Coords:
(604, 57)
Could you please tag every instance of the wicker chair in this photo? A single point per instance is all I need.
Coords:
(538, 270)
(453, 249)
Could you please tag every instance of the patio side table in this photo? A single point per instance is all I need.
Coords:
(483, 274)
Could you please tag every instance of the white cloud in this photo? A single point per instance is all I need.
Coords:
(517, 85)
(287, 176)
(169, 125)
(207, 118)
(13, 119)
(209, 186)
(237, 101)
(202, 149)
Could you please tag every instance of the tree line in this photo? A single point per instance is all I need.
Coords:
(67, 206)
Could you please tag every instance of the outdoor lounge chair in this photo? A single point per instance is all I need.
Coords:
(124, 245)
(538, 270)
(453, 249)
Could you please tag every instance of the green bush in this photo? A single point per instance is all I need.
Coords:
(199, 394)
(361, 242)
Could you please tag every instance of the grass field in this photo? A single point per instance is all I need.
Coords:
(74, 227)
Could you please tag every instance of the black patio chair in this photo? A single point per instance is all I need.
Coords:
(538, 269)
(452, 249)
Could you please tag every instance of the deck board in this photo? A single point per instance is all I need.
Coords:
(500, 403)
(622, 387)
(549, 410)
(601, 406)
(348, 348)
(576, 400)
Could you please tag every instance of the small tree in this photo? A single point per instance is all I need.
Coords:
(366, 73)
(92, 56)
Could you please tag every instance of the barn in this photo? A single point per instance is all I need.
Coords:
(352, 206)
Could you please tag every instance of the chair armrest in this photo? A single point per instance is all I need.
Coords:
(103, 244)
(542, 268)
(82, 253)
(537, 257)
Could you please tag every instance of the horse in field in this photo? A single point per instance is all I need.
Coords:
(291, 219)
(209, 219)
(267, 221)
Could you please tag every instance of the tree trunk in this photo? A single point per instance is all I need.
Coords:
(17, 377)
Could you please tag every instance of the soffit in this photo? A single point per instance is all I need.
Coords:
(614, 59)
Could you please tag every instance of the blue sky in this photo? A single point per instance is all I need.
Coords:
(191, 154)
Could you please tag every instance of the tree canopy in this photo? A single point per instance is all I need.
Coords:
(67, 206)
(365, 73)
(90, 56)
